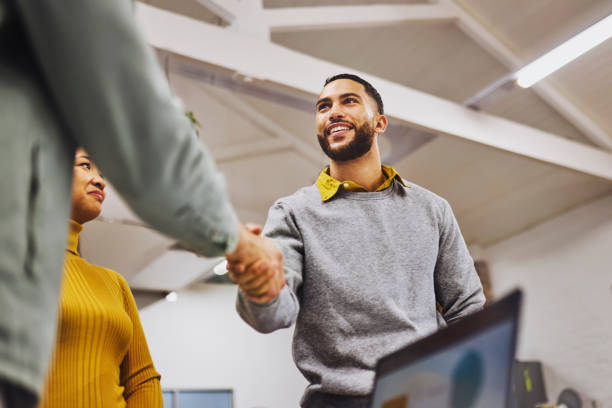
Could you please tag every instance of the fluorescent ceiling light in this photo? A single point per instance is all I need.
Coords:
(566, 52)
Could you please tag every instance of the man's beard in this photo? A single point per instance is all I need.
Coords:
(360, 145)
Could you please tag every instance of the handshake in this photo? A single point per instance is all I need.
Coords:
(256, 265)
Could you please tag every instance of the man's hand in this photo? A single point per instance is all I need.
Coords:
(256, 266)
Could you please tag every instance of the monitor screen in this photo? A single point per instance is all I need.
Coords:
(467, 366)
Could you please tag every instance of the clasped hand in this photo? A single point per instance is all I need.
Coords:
(256, 265)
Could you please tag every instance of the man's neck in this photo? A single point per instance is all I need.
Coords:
(365, 170)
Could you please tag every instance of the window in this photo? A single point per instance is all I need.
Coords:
(198, 398)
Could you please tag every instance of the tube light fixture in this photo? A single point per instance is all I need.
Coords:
(564, 53)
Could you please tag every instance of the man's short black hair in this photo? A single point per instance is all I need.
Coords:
(368, 87)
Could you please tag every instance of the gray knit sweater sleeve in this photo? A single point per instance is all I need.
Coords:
(457, 287)
(281, 312)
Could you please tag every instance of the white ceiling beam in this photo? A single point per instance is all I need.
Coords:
(330, 17)
(284, 136)
(483, 37)
(265, 61)
(249, 19)
(251, 149)
(228, 10)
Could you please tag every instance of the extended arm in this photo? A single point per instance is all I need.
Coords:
(282, 311)
(115, 102)
(457, 286)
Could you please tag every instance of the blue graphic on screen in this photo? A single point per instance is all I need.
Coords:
(473, 373)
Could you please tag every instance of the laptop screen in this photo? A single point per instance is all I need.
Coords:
(465, 365)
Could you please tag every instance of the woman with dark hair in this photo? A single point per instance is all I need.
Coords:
(101, 358)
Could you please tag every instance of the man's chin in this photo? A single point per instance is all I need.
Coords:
(338, 147)
(345, 150)
(343, 156)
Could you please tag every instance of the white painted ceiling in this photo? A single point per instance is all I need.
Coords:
(261, 131)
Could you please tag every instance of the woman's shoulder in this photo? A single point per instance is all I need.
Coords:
(109, 275)
(119, 282)
(98, 278)
(115, 276)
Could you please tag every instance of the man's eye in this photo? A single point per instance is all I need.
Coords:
(322, 106)
(350, 100)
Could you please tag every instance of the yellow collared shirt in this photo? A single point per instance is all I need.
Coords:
(329, 186)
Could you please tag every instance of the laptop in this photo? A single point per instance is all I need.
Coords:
(467, 364)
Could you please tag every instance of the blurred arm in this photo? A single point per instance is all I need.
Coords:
(115, 102)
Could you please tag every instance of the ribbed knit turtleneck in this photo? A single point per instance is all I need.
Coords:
(101, 358)
(74, 229)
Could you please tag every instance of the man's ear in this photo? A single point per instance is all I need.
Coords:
(381, 124)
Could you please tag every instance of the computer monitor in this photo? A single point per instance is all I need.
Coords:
(467, 364)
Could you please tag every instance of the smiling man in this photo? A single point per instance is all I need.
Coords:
(366, 256)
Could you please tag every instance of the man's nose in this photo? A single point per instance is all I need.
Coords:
(336, 112)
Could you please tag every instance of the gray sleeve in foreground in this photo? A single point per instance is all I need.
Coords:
(115, 102)
(458, 288)
(281, 312)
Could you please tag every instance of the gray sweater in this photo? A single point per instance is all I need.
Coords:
(364, 271)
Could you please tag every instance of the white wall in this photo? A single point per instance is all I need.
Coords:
(565, 269)
(199, 341)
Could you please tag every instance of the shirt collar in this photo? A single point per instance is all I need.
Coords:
(329, 186)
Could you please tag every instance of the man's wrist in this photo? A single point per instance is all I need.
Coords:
(262, 302)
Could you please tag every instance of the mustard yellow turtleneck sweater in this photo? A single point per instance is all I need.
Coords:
(101, 358)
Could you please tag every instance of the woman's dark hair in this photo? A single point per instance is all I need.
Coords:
(368, 87)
